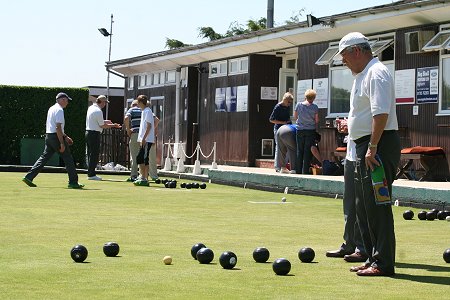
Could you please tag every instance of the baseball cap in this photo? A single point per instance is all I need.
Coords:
(63, 95)
(103, 98)
(350, 39)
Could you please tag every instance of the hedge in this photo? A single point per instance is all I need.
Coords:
(23, 113)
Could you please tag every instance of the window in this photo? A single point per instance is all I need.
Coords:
(170, 76)
(328, 55)
(217, 69)
(238, 65)
(340, 89)
(379, 46)
(131, 82)
(438, 42)
(444, 106)
(142, 81)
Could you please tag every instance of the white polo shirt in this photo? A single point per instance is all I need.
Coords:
(372, 94)
(147, 118)
(55, 115)
(94, 118)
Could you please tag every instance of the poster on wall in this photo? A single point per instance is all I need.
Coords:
(269, 93)
(231, 98)
(427, 86)
(320, 85)
(242, 98)
(404, 86)
(302, 86)
(220, 99)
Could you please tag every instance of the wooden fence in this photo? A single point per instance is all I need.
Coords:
(114, 147)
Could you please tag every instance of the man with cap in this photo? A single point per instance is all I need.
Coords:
(56, 141)
(372, 125)
(94, 127)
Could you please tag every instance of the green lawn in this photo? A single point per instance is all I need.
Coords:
(39, 226)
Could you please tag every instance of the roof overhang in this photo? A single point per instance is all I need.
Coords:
(401, 14)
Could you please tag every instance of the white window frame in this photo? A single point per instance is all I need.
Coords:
(240, 69)
(432, 46)
(332, 49)
(218, 65)
(169, 75)
(142, 81)
(131, 82)
(443, 55)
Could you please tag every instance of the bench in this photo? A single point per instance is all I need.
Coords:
(431, 159)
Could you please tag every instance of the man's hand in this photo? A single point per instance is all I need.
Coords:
(62, 148)
(371, 162)
(69, 141)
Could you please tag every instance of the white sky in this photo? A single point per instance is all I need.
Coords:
(56, 43)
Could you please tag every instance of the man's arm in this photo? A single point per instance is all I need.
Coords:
(147, 131)
(60, 135)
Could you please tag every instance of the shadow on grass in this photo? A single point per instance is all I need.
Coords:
(444, 280)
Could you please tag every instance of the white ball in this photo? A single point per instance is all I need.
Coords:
(167, 260)
(447, 218)
(283, 199)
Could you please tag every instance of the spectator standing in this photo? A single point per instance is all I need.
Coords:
(132, 122)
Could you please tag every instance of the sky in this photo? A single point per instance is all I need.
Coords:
(55, 43)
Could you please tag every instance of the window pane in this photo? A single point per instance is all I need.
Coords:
(437, 41)
(341, 86)
(223, 68)
(327, 56)
(214, 69)
(445, 103)
(171, 76)
(244, 64)
(233, 66)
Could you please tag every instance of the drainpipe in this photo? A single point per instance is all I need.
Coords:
(177, 105)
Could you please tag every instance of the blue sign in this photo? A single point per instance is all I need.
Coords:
(427, 86)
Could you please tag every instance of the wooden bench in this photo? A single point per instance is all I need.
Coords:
(429, 159)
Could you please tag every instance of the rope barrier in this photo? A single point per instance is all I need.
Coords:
(197, 151)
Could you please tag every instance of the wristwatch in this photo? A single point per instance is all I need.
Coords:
(372, 145)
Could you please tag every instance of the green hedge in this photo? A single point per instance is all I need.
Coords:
(23, 113)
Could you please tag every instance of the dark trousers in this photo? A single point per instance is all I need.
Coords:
(51, 146)
(92, 150)
(379, 236)
(305, 139)
(352, 233)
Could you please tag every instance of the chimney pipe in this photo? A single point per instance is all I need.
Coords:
(269, 14)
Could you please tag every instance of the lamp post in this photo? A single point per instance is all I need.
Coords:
(105, 33)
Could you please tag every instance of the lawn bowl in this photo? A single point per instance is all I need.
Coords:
(408, 215)
(205, 255)
(422, 215)
(111, 249)
(261, 254)
(195, 249)
(79, 253)
(446, 255)
(306, 254)
(281, 266)
(228, 260)
(431, 215)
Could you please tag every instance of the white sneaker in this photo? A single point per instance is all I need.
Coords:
(94, 178)
(292, 172)
(284, 171)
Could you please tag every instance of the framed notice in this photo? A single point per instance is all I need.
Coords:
(427, 85)
(404, 86)
(267, 147)
(302, 86)
(220, 99)
(242, 98)
(320, 85)
(269, 93)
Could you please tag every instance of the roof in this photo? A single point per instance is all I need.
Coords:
(382, 18)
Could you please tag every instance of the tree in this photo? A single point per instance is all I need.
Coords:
(209, 33)
(174, 44)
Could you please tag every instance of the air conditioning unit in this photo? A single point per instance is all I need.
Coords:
(415, 40)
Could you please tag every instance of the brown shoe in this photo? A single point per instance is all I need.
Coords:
(355, 257)
(337, 253)
(372, 271)
(359, 268)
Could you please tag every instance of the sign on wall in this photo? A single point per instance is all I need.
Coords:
(269, 93)
(404, 86)
(242, 98)
(302, 86)
(427, 86)
(320, 85)
(220, 99)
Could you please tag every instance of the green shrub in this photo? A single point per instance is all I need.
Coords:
(23, 113)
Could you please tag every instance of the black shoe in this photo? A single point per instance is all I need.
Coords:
(338, 253)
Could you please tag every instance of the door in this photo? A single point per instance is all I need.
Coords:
(288, 83)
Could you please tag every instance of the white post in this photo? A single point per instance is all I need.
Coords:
(197, 169)
(168, 164)
(180, 166)
(214, 164)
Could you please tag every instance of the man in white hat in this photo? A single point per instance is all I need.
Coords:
(372, 125)
(94, 127)
(56, 140)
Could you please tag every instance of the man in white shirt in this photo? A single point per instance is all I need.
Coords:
(372, 125)
(56, 141)
(146, 137)
(94, 127)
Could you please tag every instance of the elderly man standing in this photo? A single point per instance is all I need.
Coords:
(94, 127)
(372, 125)
(132, 122)
(56, 141)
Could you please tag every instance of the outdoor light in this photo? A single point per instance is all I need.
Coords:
(105, 33)
(311, 20)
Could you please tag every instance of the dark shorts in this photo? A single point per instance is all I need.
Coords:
(142, 157)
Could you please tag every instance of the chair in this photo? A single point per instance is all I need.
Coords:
(431, 159)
